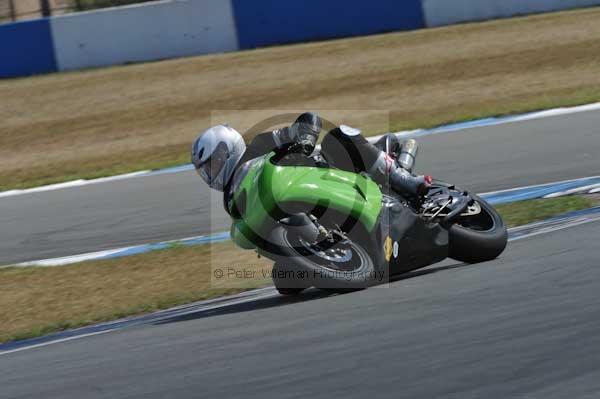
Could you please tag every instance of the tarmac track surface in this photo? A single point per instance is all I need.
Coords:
(524, 326)
(173, 206)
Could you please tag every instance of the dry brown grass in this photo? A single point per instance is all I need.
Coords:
(36, 300)
(119, 119)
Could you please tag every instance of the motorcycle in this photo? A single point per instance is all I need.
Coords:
(341, 231)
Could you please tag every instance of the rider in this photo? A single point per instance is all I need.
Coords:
(220, 151)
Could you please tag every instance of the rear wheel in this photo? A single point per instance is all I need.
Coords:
(478, 238)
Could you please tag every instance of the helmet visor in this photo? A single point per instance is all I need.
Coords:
(209, 170)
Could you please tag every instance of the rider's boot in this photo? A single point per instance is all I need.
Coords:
(395, 163)
(404, 182)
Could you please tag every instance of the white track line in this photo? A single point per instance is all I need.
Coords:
(58, 341)
(536, 186)
(552, 229)
(584, 190)
(73, 183)
(67, 260)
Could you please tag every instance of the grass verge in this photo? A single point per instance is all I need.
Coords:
(107, 121)
(520, 213)
(37, 301)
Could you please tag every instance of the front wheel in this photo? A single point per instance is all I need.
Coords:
(286, 286)
(345, 265)
(478, 238)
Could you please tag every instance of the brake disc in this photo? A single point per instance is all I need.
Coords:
(433, 210)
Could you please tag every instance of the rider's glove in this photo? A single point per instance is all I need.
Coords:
(305, 131)
(303, 134)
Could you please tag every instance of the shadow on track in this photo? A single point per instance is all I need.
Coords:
(280, 300)
(257, 304)
(426, 271)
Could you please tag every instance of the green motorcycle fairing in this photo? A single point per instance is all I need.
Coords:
(267, 190)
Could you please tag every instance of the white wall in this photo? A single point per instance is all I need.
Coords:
(143, 32)
(445, 12)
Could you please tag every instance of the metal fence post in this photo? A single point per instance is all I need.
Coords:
(45, 6)
(13, 12)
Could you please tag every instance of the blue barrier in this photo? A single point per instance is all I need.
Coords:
(179, 28)
(26, 48)
(267, 22)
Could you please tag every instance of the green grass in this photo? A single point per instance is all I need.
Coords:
(520, 213)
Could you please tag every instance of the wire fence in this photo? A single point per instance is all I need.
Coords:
(17, 10)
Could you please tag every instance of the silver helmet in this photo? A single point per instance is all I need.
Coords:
(215, 154)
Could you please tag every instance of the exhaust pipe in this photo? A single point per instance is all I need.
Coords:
(408, 154)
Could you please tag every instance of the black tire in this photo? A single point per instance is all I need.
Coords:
(290, 291)
(481, 238)
(309, 270)
(285, 286)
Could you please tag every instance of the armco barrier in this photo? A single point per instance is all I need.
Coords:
(267, 22)
(143, 32)
(447, 12)
(26, 49)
